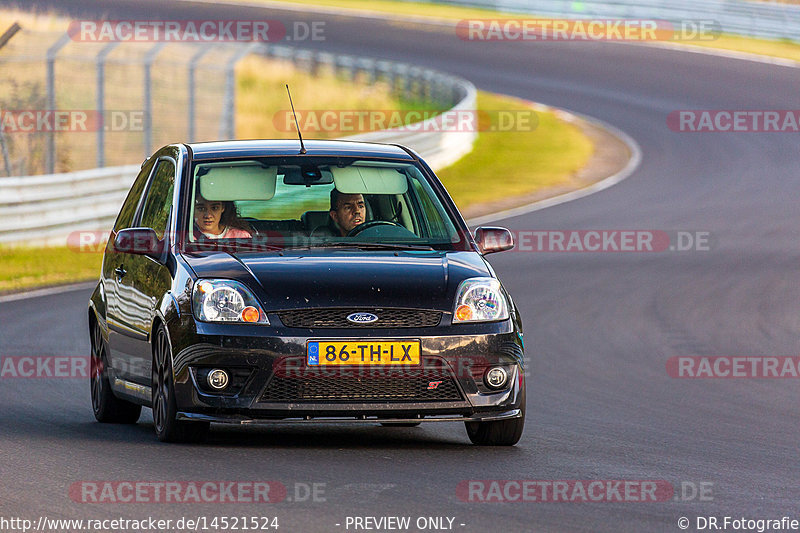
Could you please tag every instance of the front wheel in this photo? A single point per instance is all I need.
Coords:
(498, 432)
(107, 408)
(168, 427)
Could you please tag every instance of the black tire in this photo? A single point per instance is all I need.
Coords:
(499, 432)
(401, 424)
(107, 408)
(168, 427)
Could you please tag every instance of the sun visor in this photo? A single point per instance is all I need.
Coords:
(369, 180)
(237, 182)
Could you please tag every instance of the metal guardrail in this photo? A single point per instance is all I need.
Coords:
(743, 17)
(45, 209)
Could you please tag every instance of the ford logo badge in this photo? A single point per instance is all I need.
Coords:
(362, 318)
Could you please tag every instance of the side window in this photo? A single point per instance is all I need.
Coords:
(155, 213)
(436, 221)
(429, 213)
(125, 217)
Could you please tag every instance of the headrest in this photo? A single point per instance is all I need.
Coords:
(314, 219)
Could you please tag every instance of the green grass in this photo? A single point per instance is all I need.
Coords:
(776, 48)
(262, 106)
(24, 268)
(784, 48)
(513, 163)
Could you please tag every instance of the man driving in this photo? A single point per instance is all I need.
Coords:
(347, 211)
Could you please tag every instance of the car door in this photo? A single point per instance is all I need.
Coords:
(147, 279)
(115, 266)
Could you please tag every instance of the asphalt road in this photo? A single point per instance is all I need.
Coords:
(600, 327)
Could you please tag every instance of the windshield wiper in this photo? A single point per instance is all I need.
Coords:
(372, 245)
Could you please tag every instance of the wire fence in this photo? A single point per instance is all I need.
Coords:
(70, 105)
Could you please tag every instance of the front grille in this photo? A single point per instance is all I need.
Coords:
(361, 384)
(337, 318)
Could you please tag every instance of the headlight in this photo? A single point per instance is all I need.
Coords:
(222, 300)
(480, 300)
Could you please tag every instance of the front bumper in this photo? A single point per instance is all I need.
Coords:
(266, 359)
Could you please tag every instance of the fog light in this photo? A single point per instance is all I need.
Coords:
(217, 379)
(496, 377)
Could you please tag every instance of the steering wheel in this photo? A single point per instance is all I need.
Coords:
(371, 224)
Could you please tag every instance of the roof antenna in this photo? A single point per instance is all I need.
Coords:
(302, 146)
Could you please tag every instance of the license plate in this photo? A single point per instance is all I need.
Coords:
(362, 353)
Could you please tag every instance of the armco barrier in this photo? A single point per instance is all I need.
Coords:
(46, 209)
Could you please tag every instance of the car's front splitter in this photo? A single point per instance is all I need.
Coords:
(245, 420)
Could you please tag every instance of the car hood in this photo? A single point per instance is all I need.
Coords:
(325, 278)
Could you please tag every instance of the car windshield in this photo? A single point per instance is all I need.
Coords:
(315, 202)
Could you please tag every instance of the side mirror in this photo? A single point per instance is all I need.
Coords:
(139, 241)
(492, 240)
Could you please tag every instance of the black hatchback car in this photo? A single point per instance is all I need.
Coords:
(254, 282)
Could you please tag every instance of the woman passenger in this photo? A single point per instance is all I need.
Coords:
(218, 220)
